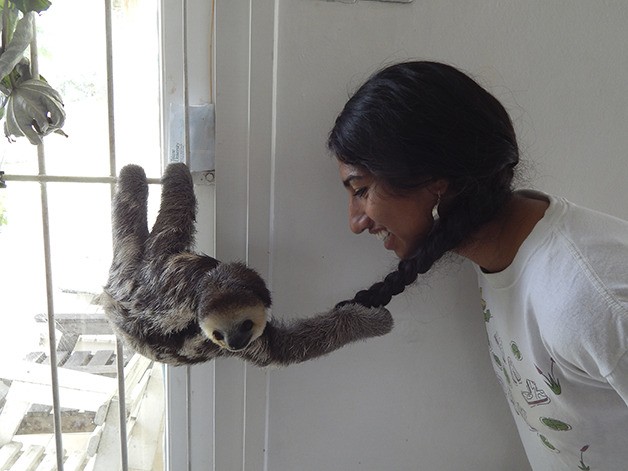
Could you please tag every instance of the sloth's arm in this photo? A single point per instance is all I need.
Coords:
(300, 340)
(173, 231)
(129, 227)
(129, 207)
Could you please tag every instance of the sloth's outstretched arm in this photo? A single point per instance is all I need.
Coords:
(129, 226)
(283, 344)
(173, 231)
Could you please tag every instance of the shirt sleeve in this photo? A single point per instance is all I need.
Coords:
(618, 378)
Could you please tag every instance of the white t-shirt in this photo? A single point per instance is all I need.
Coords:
(557, 325)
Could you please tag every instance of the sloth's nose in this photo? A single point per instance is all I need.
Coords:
(238, 341)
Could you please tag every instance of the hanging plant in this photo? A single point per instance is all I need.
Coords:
(30, 107)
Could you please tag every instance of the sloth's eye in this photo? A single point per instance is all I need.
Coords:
(218, 335)
(246, 325)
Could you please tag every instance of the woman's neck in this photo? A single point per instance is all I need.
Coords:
(494, 246)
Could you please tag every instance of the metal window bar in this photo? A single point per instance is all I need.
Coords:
(186, 138)
(41, 158)
(186, 88)
(124, 455)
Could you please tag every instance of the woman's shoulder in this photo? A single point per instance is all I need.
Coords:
(599, 236)
(585, 246)
(595, 245)
(581, 224)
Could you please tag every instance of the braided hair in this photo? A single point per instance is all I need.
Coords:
(417, 122)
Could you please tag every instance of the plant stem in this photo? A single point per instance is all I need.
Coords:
(6, 11)
(5, 24)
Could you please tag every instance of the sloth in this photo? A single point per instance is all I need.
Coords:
(179, 307)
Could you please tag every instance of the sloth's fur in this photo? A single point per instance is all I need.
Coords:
(175, 306)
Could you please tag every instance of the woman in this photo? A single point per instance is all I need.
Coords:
(428, 158)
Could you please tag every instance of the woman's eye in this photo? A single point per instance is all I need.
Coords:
(360, 192)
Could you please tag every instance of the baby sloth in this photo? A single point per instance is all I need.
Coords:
(179, 307)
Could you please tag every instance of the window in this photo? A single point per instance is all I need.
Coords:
(55, 241)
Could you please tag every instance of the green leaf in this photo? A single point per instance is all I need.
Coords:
(5, 82)
(31, 5)
(14, 52)
(34, 110)
(9, 19)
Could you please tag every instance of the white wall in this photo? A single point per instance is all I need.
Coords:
(424, 397)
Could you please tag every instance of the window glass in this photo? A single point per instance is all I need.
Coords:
(72, 58)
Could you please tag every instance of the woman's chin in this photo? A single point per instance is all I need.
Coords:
(405, 252)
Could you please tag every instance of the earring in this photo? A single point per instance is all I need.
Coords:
(435, 214)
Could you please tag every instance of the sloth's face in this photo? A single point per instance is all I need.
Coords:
(235, 327)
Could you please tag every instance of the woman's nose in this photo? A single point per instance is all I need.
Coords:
(358, 220)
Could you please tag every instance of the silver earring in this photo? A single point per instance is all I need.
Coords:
(435, 214)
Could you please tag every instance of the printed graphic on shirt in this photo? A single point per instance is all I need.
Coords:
(552, 381)
(534, 396)
(501, 360)
(528, 394)
(583, 466)
(515, 351)
(487, 312)
(555, 424)
(514, 374)
(548, 444)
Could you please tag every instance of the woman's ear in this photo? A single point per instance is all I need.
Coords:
(438, 187)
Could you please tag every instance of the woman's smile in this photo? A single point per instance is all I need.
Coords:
(382, 234)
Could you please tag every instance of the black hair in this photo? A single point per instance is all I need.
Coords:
(416, 122)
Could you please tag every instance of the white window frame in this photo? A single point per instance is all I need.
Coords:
(217, 413)
(186, 60)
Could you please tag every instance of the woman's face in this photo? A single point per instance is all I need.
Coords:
(400, 221)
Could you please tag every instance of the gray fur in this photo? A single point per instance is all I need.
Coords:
(158, 289)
